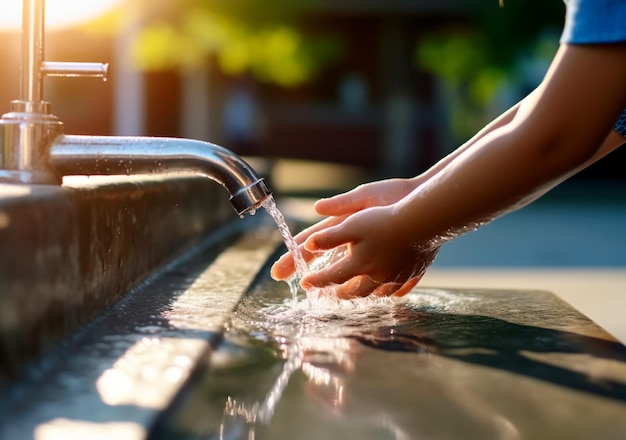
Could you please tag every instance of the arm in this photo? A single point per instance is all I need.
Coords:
(554, 133)
(386, 192)
(379, 193)
(613, 141)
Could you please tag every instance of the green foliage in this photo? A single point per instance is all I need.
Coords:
(489, 45)
(478, 56)
(256, 37)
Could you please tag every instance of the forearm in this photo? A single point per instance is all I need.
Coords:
(463, 196)
(613, 141)
(490, 179)
(553, 135)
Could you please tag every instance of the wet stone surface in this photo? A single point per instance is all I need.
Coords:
(211, 347)
(68, 253)
(438, 363)
(115, 376)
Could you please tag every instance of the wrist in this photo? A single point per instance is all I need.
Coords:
(418, 223)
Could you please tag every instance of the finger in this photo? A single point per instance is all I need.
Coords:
(344, 204)
(396, 289)
(336, 273)
(327, 239)
(407, 287)
(358, 286)
(285, 267)
(387, 289)
(319, 226)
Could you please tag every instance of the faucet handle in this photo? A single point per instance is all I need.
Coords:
(73, 69)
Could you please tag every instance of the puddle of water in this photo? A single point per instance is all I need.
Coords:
(428, 365)
(433, 364)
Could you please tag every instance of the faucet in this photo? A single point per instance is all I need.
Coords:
(34, 148)
(91, 155)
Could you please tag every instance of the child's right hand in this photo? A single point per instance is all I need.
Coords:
(386, 253)
(338, 208)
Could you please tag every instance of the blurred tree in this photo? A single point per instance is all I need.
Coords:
(485, 49)
(244, 36)
(475, 58)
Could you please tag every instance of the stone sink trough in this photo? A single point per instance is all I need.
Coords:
(142, 307)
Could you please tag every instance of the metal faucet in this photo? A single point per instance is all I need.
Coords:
(109, 155)
(34, 149)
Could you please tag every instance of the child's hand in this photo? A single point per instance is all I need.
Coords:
(284, 267)
(380, 193)
(381, 258)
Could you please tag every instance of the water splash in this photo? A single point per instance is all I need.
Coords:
(322, 260)
(311, 340)
(302, 327)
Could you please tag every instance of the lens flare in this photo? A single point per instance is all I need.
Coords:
(59, 13)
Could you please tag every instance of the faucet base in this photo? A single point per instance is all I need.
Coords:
(26, 134)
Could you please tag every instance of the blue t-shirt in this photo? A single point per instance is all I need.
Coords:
(596, 21)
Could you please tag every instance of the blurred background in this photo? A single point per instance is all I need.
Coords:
(326, 94)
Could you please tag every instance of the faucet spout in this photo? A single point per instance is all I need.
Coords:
(118, 155)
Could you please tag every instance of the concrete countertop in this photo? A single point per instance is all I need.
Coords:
(599, 293)
(69, 252)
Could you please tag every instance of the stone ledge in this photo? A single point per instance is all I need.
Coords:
(68, 253)
(119, 374)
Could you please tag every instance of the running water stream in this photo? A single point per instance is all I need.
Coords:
(301, 267)
(321, 260)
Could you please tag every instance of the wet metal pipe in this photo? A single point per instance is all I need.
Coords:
(119, 155)
(32, 50)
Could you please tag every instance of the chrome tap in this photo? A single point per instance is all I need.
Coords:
(34, 149)
(112, 155)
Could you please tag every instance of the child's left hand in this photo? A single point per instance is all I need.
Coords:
(381, 259)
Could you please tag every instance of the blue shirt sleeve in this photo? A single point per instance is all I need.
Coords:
(594, 21)
(620, 125)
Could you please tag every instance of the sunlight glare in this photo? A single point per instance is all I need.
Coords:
(59, 13)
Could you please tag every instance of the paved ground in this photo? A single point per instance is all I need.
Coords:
(559, 234)
(599, 293)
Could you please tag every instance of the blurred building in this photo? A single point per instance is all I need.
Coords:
(375, 108)
(372, 108)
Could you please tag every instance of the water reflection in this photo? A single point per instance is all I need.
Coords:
(421, 367)
(554, 356)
